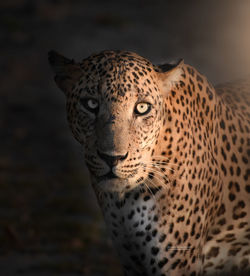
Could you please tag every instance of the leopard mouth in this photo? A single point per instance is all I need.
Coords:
(110, 175)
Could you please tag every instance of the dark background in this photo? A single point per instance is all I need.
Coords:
(50, 223)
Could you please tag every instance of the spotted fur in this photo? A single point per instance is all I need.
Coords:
(173, 183)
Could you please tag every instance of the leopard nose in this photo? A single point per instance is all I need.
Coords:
(112, 160)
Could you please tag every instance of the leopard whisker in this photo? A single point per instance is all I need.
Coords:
(153, 184)
(159, 176)
(149, 189)
(157, 166)
(154, 167)
(162, 180)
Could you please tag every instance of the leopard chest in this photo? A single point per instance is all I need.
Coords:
(133, 225)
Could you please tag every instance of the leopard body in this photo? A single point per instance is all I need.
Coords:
(169, 159)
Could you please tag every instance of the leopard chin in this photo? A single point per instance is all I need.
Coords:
(111, 185)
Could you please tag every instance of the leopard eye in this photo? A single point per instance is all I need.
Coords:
(90, 104)
(142, 108)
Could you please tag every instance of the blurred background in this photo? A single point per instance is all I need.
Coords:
(50, 223)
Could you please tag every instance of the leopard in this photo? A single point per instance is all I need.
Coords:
(169, 160)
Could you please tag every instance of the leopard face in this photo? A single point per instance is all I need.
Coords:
(116, 110)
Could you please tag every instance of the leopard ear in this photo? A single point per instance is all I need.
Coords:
(67, 72)
(169, 75)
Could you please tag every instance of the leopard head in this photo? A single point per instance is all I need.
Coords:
(115, 108)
